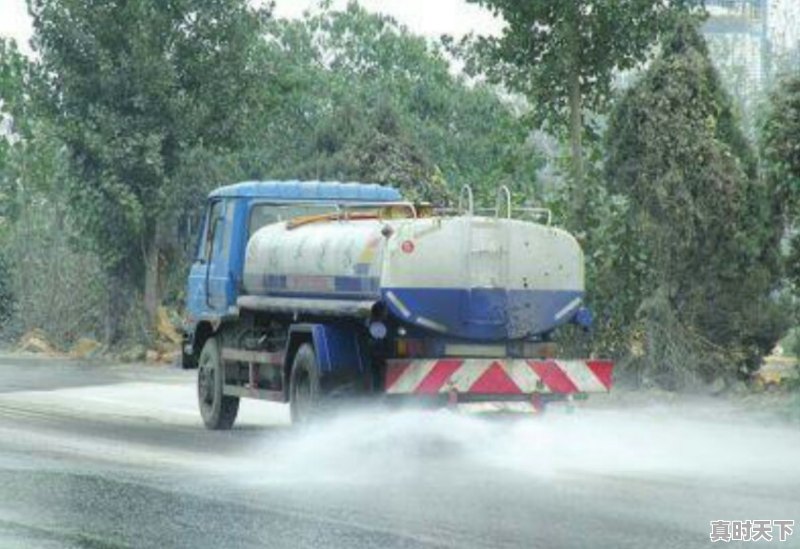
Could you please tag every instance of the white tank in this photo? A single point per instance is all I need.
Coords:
(467, 277)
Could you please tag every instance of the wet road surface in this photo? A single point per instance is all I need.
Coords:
(99, 456)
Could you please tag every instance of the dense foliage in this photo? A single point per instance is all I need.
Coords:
(700, 220)
(134, 90)
(47, 280)
(563, 56)
(363, 99)
(781, 152)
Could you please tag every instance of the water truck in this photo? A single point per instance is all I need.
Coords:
(313, 293)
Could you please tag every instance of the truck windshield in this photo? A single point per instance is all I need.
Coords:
(266, 214)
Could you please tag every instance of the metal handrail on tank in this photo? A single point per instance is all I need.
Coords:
(466, 189)
(503, 190)
(503, 195)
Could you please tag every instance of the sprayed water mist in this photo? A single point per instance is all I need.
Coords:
(369, 448)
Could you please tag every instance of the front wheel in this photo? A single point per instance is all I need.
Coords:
(305, 392)
(218, 411)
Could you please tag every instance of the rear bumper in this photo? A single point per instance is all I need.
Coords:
(487, 379)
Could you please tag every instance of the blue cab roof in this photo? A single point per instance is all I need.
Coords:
(309, 190)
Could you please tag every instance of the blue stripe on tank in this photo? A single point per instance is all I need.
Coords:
(338, 286)
(485, 313)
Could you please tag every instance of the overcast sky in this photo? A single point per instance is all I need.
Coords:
(14, 20)
(429, 17)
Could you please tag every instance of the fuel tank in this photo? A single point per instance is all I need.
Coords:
(472, 277)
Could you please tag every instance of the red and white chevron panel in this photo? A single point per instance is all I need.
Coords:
(497, 376)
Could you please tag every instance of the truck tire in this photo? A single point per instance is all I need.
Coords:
(188, 362)
(218, 411)
(305, 393)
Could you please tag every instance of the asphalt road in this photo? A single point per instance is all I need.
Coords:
(98, 456)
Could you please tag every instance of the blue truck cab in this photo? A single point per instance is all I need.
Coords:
(233, 213)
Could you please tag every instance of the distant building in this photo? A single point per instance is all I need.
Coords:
(752, 42)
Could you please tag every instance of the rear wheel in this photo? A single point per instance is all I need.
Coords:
(305, 393)
(218, 411)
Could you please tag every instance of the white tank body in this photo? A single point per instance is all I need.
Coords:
(468, 277)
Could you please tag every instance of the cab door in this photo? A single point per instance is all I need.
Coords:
(220, 278)
(209, 272)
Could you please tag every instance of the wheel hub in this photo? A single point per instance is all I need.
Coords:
(302, 395)
(206, 384)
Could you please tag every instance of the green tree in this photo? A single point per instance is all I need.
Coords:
(780, 144)
(28, 148)
(363, 98)
(563, 57)
(48, 281)
(136, 89)
(676, 153)
(12, 76)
